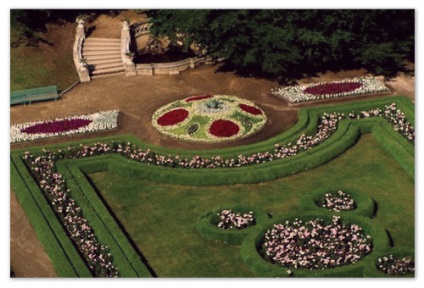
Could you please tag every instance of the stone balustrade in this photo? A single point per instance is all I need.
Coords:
(80, 65)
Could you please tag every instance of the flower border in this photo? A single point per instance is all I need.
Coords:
(297, 94)
(103, 120)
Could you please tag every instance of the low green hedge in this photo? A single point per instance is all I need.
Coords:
(365, 205)
(397, 252)
(66, 260)
(252, 258)
(207, 225)
(99, 217)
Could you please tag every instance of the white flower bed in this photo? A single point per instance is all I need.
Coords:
(103, 120)
(396, 266)
(315, 244)
(338, 201)
(296, 94)
(232, 220)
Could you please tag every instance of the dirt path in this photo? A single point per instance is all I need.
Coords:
(27, 255)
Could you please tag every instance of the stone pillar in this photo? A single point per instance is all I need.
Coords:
(192, 64)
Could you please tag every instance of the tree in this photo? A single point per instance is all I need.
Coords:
(274, 43)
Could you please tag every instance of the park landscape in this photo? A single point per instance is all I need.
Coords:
(212, 166)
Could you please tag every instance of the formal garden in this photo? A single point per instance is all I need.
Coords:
(331, 196)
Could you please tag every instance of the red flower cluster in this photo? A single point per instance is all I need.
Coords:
(224, 128)
(333, 88)
(173, 117)
(56, 126)
(195, 98)
(250, 109)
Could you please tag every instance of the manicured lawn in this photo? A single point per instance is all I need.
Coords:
(160, 218)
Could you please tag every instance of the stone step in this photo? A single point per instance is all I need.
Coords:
(102, 61)
(102, 40)
(103, 52)
(101, 48)
(105, 57)
(106, 66)
(107, 70)
(102, 44)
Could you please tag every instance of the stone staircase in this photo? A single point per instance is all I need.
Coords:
(103, 56)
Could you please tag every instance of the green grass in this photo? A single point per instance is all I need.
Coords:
(32, 67)
(160, 218)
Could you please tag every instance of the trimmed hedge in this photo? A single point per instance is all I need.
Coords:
(364, 203)
(99, 217)
(207, 225)
(65, 258)
(251, 245)
(68, 262)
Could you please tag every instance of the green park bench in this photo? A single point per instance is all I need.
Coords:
(36, 94)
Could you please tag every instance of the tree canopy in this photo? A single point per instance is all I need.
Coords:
(292, 43)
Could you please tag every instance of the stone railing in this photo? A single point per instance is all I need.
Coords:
(141, 29)
(126, 54)
(79, 61)
(171, 68)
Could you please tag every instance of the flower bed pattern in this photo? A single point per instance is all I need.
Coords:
(315, 244)
(231, 220)
(99, 121)
(342, 88)
(43, 167)
(338, 201)
(209, 118)
(396, 266)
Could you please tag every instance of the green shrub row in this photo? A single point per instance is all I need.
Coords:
(207, 225)
(64, 256)
(341, 140)
(252, 258)
(58, 245)
(365, 204)
(107, 230)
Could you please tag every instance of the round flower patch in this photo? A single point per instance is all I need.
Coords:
(209, 118)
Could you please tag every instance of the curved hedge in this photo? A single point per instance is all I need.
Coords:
(67, 261)
(365, 205)
(207, 225)
(252, 258)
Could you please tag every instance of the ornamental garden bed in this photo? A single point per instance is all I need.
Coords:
(167, 201)
(79, 124)
(209, 118)
(330, 90)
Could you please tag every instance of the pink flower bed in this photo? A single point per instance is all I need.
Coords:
(56, 126)
(316, 244)
(224, 128)
(195, 98)
(173, 117)
(333, 88)
(250, 109)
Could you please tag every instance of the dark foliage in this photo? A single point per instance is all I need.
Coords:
(287, 44)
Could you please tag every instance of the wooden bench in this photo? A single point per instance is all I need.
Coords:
(32, 95)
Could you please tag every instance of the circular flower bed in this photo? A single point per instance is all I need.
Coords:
(315, 244)
(338, 201)
(231, 220)
(394, 266)
(209, 118)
